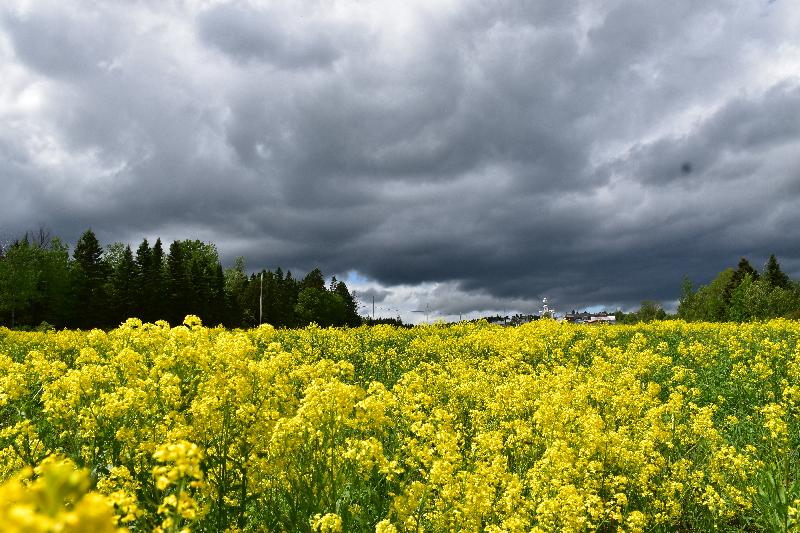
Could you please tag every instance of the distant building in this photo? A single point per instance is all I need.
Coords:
(585, 317)
(518, 320)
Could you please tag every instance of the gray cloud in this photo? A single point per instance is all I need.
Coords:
(284, 39)
(463, 156)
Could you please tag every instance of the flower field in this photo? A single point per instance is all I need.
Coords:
(543, 427)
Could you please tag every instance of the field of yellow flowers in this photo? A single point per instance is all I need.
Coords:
(472, 427)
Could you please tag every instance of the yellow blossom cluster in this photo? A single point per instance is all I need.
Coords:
(469, 427)
(53, 498)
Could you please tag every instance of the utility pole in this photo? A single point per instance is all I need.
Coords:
(426, 311)
(373, 307)
(261, 299)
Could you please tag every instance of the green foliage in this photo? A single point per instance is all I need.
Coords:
(774, 275)
(90, 272)
(124, 291)
(53, 303)
(322, 307)
(235, 287)
(351, 317)
(178, 284)
(708, 303)
(775, 495)
(651, 310)
(19, 278)
(742, 295)
(314, 280)
(88, 256)
(39, 283)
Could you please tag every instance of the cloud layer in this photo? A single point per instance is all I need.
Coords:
(458, 155)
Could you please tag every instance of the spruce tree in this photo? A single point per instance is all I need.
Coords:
(177, 285)
(742, 269)
(200, 290)
(124, 287)
(774, 275)
(314, 280)
(351, 317)
(90, 281)
(157, 283)
(144, 258)
(218, 313)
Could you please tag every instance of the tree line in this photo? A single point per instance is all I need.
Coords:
(742, 294)
(41, 283)
(735, 295)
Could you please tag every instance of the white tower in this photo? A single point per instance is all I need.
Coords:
(546, 311)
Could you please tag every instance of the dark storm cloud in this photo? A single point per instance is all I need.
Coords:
(460, 156)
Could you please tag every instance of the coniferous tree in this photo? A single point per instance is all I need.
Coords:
(200, 290)
(218, 304)
(314, 280)
(289, 293)
(271, 298)
(743, 269)
(351, 317)
(157, 283)
(144, 258)
(177, 284)
(281, 312)
(54, 304)
(124, 287)
(774, 275)
(116, 284)
(90, 277)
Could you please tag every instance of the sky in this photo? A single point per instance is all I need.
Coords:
(458, 157)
